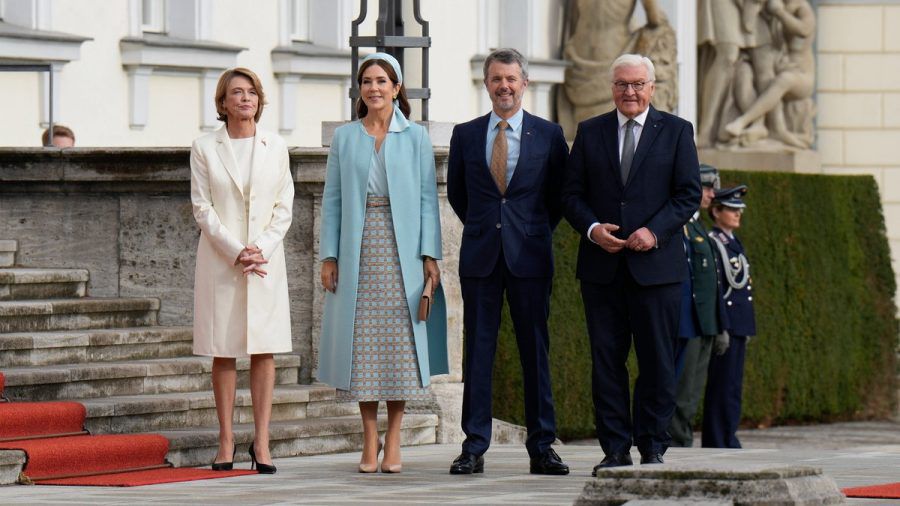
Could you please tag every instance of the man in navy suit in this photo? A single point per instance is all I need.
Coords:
(632, 182)
(504, 181)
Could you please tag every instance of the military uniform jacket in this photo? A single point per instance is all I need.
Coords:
(738, 299)
(708, 308)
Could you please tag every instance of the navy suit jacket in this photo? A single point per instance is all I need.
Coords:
(662, 193)
(523, 219)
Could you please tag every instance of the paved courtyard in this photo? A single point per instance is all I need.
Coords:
(854, 454)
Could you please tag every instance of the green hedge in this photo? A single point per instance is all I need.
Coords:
(824, 295)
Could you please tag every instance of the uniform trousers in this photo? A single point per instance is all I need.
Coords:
(722, 405)
(694, 353)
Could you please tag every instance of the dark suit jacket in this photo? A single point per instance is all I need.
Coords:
(523, 219)
(662, 193)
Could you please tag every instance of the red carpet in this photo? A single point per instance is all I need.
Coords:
(60, 452)
(151, 477)
(65, 456)
(886, 491)
(32, 419)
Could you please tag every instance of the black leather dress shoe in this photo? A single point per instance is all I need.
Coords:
(467, 463)
(548, 463)
(613, 460)
(651, 458)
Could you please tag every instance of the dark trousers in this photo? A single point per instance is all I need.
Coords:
(529, 306)
(694, 353)
(722, 405)
(618, 313)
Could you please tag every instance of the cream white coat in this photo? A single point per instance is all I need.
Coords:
(234, 315)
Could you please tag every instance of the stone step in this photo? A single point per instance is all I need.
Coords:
(11, 463)
(8, 249)
(77, 314)
(331, 408)
(142, 413)
(311, 436)
(134, 377)
(25, 349)
(21, 283)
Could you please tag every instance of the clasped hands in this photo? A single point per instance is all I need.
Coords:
(639, 240)
(252, 260)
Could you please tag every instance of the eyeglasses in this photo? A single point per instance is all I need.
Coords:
(637, 86)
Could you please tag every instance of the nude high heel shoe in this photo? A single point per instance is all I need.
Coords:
(391, 468)
(371, 468)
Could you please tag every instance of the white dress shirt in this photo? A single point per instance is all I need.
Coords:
(638, 127)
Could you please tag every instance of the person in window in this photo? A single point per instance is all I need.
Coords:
(380, 241)
(63, 137)
(242, 193)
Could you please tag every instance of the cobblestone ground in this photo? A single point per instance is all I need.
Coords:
(854, 454)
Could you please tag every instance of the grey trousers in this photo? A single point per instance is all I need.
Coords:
(690, 390)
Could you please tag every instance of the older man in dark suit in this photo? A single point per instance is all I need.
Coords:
(632, 183)
(504, 181)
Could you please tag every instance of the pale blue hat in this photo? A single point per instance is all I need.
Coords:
(388, 58)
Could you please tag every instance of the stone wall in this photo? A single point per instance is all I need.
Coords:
(125, 215)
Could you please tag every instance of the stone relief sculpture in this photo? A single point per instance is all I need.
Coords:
(598, 32)
(757, 73)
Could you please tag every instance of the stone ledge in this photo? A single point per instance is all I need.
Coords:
(740, 484)
(11, 462)
(805, 161)
(142, 170)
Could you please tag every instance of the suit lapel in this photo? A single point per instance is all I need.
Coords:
(525, 146)
(481, 141)
(260, 148)
(649, 132)
(611, 142)
(481, 149)
(226, 156)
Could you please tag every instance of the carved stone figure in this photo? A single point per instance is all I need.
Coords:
(598, 33)
(757, 73)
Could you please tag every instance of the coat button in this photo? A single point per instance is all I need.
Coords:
(499, 225)
(749, 298)
(503, 201)
(622, 203)
(729, 302)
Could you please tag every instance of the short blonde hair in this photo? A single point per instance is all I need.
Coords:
(222, 89)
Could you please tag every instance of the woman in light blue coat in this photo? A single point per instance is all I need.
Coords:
(380, 239)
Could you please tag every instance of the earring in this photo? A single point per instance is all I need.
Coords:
(395, 97)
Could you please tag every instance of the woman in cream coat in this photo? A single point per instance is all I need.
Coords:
(242, 192)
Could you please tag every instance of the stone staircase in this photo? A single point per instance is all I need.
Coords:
(134, 375)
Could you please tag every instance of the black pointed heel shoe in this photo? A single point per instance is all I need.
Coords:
(260, 467)
(225, 466)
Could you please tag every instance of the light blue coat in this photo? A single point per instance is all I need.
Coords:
(413, 192)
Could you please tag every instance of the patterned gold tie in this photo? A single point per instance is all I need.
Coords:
(498, 157)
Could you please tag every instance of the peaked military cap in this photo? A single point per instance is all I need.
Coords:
(731, 197)
(709, 176)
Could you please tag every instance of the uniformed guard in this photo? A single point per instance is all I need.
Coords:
(702, 316)
(722, 406)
